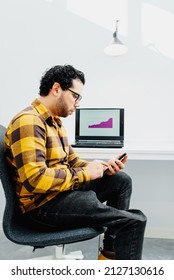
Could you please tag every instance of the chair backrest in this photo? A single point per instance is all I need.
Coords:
(11, 212)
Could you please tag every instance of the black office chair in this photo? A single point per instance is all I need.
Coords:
(16, 231)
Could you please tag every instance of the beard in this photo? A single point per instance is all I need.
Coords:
(62, 107)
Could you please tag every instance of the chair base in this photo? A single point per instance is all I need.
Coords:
(59, 254)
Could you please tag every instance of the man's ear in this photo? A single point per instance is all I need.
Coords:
(56, 89)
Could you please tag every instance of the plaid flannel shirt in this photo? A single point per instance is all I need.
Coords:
(41, 161)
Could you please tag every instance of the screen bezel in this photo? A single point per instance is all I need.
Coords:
(77, 126)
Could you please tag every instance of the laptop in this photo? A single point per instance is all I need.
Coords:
(99, 128)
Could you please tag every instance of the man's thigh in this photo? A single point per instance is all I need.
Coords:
(115, 190)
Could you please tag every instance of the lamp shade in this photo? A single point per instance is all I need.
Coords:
(116, 47)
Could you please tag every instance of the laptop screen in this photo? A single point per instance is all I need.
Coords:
(99, 123)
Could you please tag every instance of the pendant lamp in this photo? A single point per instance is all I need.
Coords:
(116, 47)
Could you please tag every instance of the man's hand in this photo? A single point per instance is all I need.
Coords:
(96, 168)
(116, 165)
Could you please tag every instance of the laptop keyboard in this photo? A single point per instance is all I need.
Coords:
(105, 143)
(99, 141)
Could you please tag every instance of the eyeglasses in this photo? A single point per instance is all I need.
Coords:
(76, 95)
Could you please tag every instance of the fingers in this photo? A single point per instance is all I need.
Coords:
(98, 167)
(104, 164)
(115, 165)
(119, 163)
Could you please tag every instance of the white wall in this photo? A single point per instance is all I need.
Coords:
(153, 193)
(37, 34)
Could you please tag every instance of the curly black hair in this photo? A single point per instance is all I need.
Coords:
(62, 74)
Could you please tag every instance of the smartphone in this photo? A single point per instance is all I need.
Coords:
(120, 158)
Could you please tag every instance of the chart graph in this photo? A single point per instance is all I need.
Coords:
(105, 124)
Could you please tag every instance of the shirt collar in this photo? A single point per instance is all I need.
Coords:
(42, 110)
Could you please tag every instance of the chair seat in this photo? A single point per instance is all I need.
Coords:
(27, 236)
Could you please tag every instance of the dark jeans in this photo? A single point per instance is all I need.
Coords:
(84, 207)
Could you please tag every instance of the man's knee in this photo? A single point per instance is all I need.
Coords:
(138, 216)
(124, 180)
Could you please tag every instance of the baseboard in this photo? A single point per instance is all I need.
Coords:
(166, 233)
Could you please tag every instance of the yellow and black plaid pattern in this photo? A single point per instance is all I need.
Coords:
(41, 161)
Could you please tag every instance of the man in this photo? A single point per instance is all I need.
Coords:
(55, 188)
